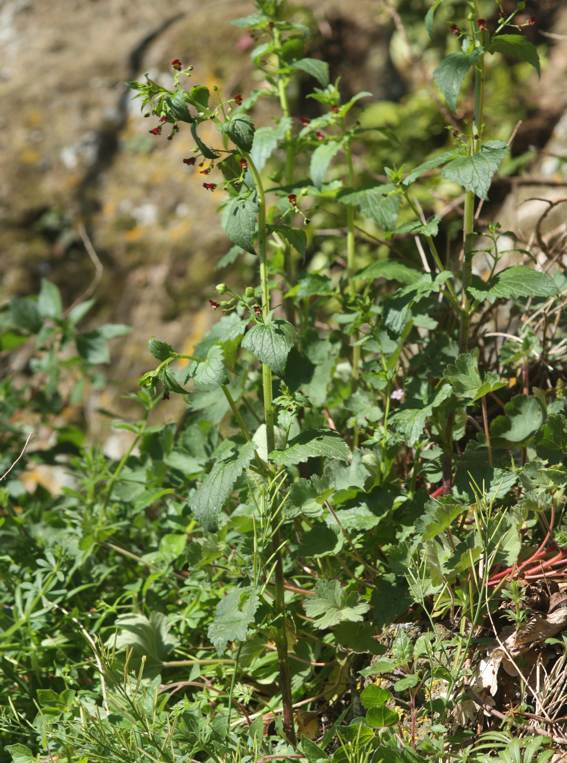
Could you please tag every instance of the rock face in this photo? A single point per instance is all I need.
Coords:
(73, 147)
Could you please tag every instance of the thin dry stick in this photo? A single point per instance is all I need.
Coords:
(7, 472)
(98, 266)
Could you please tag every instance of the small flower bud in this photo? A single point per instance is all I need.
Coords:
(163, 119)
(455, 29)
(258, 310)
(206, 171)
(190, 161)
(292, 198)
(177, 64)
(209, 186)
(482, 25)
(156, 130)
(320, 135)
(249, 292)
(532, 21)
(213, 304)
(238, 99)
(243, 164)
(305, 121)
(221, 288)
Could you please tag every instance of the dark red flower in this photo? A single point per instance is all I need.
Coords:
(213, 304)
(335, 109)
(305, 121)
(209, 186)
(532, 21)
(206, 171)
(156, 130)
(177, 64)
(238, 99)
(190, 161)
(292, 198)
(319, 135)
(482, 25)
(163, 119)
(258, 310)
(456, 30)
(243, 164)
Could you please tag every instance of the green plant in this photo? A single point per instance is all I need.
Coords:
(276, 575)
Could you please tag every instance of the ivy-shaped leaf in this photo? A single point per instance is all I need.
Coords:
(523, 417)
(233, 616)
(312, 444)
(466, 381)
(474, 173)
(331, 605)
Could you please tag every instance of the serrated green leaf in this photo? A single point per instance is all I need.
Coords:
(312, 444)
(146, 637)
(210, 373)
(374, 696)
(358, 637)
(316, 68)
(319, 541)
(271, 342)
(25, 315)
(331, 605)
(474, 173)
(234, 615)
(430, 164)
(466, 380)
(450, 74)
(209, 498)
(198, 96)
(523, 417)
(49, 301)
(381, 717)
(518, 47)
(177, 107)
(266, 140)
(377, 203)
(240, 129)
(294, 236)
(160, 350)
(438, 516)
(321, 159)
(20, 753)
(430, 17)
(521, 281)
(391, 271)
(207, 152)
(312, 285)
(239, 220)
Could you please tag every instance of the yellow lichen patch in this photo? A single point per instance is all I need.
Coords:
(134, 234)
(29, 156)
(180, 231)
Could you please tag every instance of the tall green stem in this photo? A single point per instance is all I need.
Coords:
(351, 272)
(289, 263)
(475, 141)
(269, 420)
